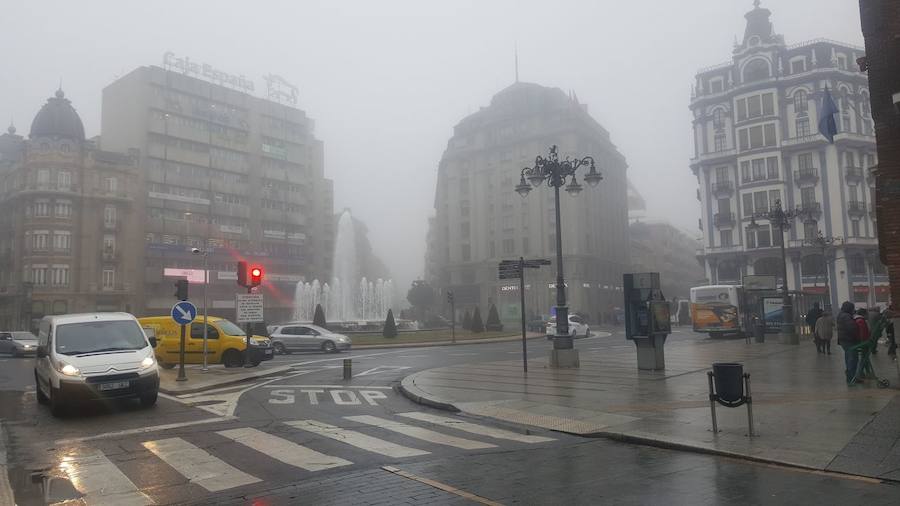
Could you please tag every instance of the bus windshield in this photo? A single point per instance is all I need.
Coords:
(715, 308)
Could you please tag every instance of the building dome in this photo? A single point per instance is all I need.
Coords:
(57, 118)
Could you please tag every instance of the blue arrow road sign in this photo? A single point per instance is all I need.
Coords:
(184, 312)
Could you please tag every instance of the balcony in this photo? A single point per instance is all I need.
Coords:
(809, 175)
(853, 174)
(110, 255)
(811, 207)
(856, 208)
(723, 219)
(714, 156)
(725, 187)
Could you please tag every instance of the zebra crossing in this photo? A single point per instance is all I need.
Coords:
(102, 482)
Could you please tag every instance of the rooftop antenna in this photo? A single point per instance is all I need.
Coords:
(517, 60)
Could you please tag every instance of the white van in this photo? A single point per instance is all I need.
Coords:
(94, 356)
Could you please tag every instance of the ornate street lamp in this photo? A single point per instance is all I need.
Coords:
(781, 219)
(557, 174)
(823, 243)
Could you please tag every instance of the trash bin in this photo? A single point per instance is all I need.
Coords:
(729, 379)
(759, 332)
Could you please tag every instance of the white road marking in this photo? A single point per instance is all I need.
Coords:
(198, 466)
(473, 428)
(462, 354)
(357, 439)
(420, 433)
(370, 387)
(101, 482)
(141, 430)
(338, 396)
(411, 356)
(381, 369)
(286, 451)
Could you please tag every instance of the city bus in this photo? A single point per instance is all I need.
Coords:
(718, 310)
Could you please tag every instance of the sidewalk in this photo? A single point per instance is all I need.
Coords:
(804, 412)
(217, 376)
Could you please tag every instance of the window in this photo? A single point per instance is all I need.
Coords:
(801, 102)
(772, 167)
(721, 174)
(745, 172)
(757, 137)
(716, 86)
(748, 204)
(810, 230)
(805, 161)
(854, 228)
(751, 238)
(39, 274)
(724, 205)
(526, 247)
(43, 176)
(59, 275)
(807, 196)
(718, 119)
(798, 66)
(720, 142)
(109, 243)
(109, 216)
(725, 237)
(756, 106)
(756, 70)
(63, 208)
(509, 246)
(64, 179)
(466, 252)
(850, 158)
(41, 208)
(853, 193)
(774, 196)
(764, 237)
(40, 240)
(110, 185)
(761, 202)
(109, 279)
(856, 264)
(842, 62)
(759, 169)
(802, 126)
(62, 240)
(464, 186)
(464, 229)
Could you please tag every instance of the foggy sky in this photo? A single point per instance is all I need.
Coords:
(386, 81)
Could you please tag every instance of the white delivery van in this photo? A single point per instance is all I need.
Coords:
(94, 357)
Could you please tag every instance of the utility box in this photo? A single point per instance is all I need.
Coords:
(647, 319)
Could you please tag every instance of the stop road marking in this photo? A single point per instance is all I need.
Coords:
(340, 397)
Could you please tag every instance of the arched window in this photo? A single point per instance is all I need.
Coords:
(812, 265)
(756, 70)
(769, 266)
(718, 118)
(729, 271)
(801, 102)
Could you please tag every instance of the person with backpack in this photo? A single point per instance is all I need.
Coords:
(848, 336)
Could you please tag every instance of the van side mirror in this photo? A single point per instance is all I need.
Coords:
(152, 340)
(41, 351)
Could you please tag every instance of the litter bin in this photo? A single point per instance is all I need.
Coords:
(759, 332)
(729, 381)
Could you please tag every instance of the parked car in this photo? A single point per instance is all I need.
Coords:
(577, 326)
(225, 342)
(536, 326)
(289, 337)
(18, 344)
(93, 357)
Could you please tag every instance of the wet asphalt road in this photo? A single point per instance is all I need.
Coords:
(310, 437)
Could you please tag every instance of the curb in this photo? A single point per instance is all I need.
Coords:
(410, 391)
(443, 343)
(226, 383)
(6, 493)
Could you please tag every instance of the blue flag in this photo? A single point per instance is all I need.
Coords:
(827, 124)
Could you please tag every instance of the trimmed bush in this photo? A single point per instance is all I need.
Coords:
(493, 322)
(390, 326)
(477, 324)
(319, 317)
(467, 321)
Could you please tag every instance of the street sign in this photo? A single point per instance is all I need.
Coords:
(184, 312)
(249, 307)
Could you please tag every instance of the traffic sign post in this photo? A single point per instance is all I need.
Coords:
(183, 313)
(515, 269)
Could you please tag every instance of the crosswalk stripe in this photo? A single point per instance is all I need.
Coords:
(198, 466)
(101, 482)
(357, 439)
(420, 433)
(284, 450)
(473, 428)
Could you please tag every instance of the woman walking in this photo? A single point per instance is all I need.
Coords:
(824, 331)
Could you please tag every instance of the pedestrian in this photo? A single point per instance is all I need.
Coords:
(847, 337)
(892, 313)
(862, 324)
(872, 319)
(811, 316)
(824, 330)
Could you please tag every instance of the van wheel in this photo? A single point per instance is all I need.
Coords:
(328, 347)
(148, 400)
(280, 349)
(166, 365)
(57, 408)
(41, 398)
(232, 358)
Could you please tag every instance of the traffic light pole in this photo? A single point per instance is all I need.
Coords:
(452, 316)
(522, 306)
(249, 332)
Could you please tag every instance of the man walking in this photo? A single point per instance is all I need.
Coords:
(823, 331)
(848, 335)
(811, 316)
(892, 314)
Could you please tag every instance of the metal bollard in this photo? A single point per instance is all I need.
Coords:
(712, 403)
(749, 403)
(348, 364)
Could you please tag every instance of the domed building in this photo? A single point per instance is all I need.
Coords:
(68, 229)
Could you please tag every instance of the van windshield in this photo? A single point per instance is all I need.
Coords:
(230, 329)
(100, 336)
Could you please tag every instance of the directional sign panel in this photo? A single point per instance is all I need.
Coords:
(184, 312)
(249, 307)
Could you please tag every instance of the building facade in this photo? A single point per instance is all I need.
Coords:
(232, 174)
(756, 141)
(659, 246)
(881, 27)
(480, 220)
(69, 223)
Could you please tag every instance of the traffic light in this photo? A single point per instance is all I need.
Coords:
(256, 275)
(242, 274)
(450, 297)
(181, 289)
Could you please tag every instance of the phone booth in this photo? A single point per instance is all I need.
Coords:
(647, 319)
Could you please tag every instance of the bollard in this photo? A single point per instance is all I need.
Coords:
(348, 364)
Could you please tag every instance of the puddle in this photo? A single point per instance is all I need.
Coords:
(40, 487)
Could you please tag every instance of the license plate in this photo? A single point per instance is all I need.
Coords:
(268, 352)
(113, 386)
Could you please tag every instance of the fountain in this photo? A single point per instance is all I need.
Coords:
(345, 299)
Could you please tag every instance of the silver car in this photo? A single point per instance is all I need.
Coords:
(18, 344)
(289, 337)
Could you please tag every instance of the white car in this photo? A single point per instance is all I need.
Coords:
(94, 357)
(288, 337)
(577, 327)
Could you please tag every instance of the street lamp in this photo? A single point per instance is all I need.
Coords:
(823, 243)
(205, 253)
(556, 173)
(781, 219)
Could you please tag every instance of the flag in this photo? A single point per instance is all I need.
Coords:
(827, 124)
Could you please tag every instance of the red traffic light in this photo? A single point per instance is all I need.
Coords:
(256, 276)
